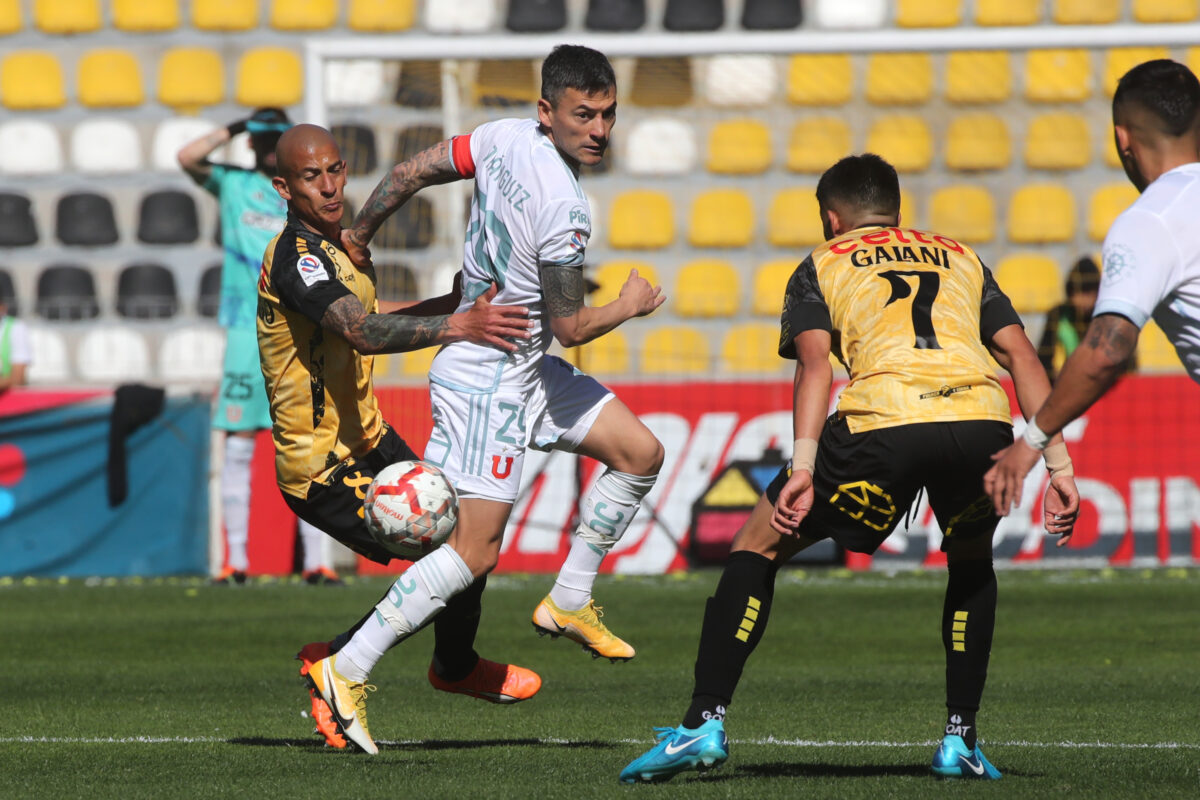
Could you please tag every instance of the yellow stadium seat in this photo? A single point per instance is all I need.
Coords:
(381, 366)
(676, 350)
(1056, 76)
(967, 213)
(899, 78)
(770, 282)
(31, 80)
(752, 347)
(190, 78)
(10, 16)
(978, 142)
(145, 16)
(303, 15)
(1164, 10)
(928, 13)
(1119, 60)
(269, 76)
(978, 76)
(416, 363)
(794, 219)
(67, 16)
(612, 276)
(506, 82)
(1007, 12)
(109, 79)
(1031, 281)
(904, 140)
(1106, 204)
(1155, 353)
(381, 16)
(1041, 213)
(707, 288)
(225, 15)
(820, 80)
(908, 209)
(641, 219)
(608, 355)
(1058, 141)
(739, 147)
(662, 82)
(721, 218)
(1086, 12)
(817, 143)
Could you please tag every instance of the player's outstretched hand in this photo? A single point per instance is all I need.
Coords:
(359, 254)
(1060, 508)
(1004, 480)
(484, 323)
(645, 297)
(794, 503)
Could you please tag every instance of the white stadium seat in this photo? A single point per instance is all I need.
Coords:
(173, 134)
(461, 16)
(660, 146)
(29, 147)
(848, 13)
(106, 146)
(50, 361)
(740, 80)
(113, 355)
(354, 82)
(192, 354)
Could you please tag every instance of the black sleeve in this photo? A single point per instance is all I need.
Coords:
(804, 308)
(304, 276)
(995, 309)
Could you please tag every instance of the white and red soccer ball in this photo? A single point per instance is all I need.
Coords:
(410, 508)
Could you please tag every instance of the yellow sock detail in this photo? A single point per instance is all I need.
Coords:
(748, 619)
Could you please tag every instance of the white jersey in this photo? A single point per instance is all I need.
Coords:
(1152, 262)
(527, 211)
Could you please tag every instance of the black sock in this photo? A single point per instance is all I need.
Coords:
(454, 632)
(734, 620)
(968, 621)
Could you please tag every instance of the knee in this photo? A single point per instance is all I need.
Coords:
(645, 456)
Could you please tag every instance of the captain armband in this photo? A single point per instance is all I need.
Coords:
(1057, 460)
(804, 455)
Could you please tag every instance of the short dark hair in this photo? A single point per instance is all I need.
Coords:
(864, 183)
(1166, 89)
(1083, 277)
(573, 66)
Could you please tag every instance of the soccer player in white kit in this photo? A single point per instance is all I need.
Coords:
(1151, 260)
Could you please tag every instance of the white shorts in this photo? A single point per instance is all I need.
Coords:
(479, 437)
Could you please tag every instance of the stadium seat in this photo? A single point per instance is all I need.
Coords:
(195, 353)
(1007, 12)
(357, 143)
(29, 147)
(977, 142)
(675, 350)
(608, 355)
(706, 288)
(967, 213)
(85, 219)
(848, 13)
(1155, 353)
(172, 134)
(113, 355)
(410, 228)
(17, 225)
(145, 16)
(1164, 10)
(1031, 281)
(1058, 76)
(396, 282)
(611, 276)
(168, 217)
(8, 293)
(51, 362)
(354, 81)
(461, 16)
(615, 16)
(771, 15)
(739, 147)
(190, 78)
(794, 219)
(1057, 141)
(770, 282)
(1041, 213)
(659, 146)
(420, 84)
(641, 219)
(10, 17)
(928, 13)
(303, 15)
(1106, 204)
(414, 139)
(381, 16)
(416, 363)
(101, 146)
(227, 16)
(146, 291)
(908, 209)
(269, 76)
(744, 81)
(208, 294)
(1086, 12)
(31, 80)
(505, 83)
(109, 79)
(904, 140)
(721, 218)
(66, 292)
(751, 347)
(1119, 60)
(694, 15)
(662, 82)
(978, 76)
(536, 16)
(899, 78)
(67, 16)
(820, 79)
(816, 143)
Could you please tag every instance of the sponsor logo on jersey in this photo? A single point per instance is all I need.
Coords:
(311, 269)
(579, 217)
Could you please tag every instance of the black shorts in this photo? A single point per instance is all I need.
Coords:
(336, 506)
(865, 482)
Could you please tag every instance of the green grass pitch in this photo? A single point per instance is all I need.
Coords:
(172, 688)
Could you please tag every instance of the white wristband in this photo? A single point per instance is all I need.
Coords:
(804, 455)
(1034, 436)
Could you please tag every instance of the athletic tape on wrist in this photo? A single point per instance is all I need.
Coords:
(1034, 436)
(804, 454)
(1058, 461)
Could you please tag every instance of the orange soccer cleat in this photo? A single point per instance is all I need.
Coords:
(496, 683)
(322, 716)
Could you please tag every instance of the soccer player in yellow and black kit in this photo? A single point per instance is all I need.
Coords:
(913, 316)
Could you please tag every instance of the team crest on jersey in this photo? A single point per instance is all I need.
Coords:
(311, 269)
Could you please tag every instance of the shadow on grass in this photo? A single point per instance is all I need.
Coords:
(427, 744)
(263, 741)
(788, 769)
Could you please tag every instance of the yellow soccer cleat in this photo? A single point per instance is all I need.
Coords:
(347, 701)
(583, 626)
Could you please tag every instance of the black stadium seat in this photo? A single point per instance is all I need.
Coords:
(536, 16)
(8, 294)
(85, 219)
(395, 282)
(357, 143)
(208, 298)
(17, 226)
(66, 292)
(694, 15)
(771, 15)
(410, 228)
(146, 291)
(420, 84)
(168, 217)
(414, 139)
(615, 15)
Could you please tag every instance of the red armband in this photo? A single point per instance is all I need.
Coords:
(460, 155)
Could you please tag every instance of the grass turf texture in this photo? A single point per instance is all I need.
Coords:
(172, 688)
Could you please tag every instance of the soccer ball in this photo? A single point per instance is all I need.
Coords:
(410, 508)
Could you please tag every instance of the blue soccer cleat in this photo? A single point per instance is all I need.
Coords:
(680, 749)
(954, 759)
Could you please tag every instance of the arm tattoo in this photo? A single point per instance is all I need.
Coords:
(1110, 334)
(427, 168)
(562, 287)
(382, 333)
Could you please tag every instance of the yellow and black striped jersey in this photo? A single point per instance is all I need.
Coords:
(909, 312)
(323, 406)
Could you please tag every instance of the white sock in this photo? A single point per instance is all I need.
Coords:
(416, 597)
(573, 587)
(235, 498)
(314, 542)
